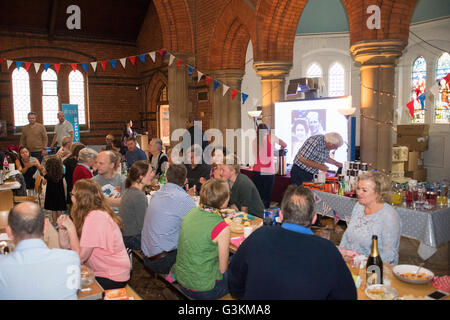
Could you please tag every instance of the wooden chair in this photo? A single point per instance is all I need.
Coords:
(37, 188)
(6, 200)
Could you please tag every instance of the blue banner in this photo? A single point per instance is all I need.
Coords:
(71, 115)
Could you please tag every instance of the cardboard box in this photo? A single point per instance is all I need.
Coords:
(397, 175)
(398, 167)
(415, 161)
(419, 174)
(413, 129)
(414, 143)
(400, 153)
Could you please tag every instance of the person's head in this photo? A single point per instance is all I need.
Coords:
(373, 187)
(230, 167)
(66, 142)
(218, 153)
(61, 117)
(118, 157)
(141, 173)
(109, 140)
(54, 168)
(215, 193)
(24, 153)
(32, 117)
(155, 146)
(86, 196)
(26, 221)
(300, 129)
(194, 155)
(333, 140)
(176, 174)
(297, 206)
(131, 144)
(87, 156)
(106, 162)
(313, 122)
(190, 121)
(75, 149)
(261, 132)
(129, 124)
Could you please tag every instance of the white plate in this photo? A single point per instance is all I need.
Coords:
(388, 293)
(408, 268)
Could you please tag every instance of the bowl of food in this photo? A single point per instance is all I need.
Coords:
(87, 276)
(408, 273)
(381, 292)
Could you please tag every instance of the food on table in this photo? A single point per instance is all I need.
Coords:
(246, 224)
(380, 294)
(414, 276)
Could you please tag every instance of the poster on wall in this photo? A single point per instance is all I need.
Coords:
(3, 128)
(71, 115)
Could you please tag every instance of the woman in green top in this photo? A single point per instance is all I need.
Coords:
(203, 245)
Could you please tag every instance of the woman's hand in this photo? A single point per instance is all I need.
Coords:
(65, 223)
(202, 180)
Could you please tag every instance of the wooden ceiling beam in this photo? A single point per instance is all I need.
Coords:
(52, 19)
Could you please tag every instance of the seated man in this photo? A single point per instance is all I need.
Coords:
(33, 271)
(166, 210)
(196, 169)
(112, 143)
(306, 266)
(134, 153)
(158, 159)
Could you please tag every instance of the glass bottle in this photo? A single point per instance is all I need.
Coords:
(374, 266)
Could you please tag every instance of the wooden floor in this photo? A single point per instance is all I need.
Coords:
(152, 288)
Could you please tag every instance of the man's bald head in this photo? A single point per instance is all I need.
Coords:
(26, 221)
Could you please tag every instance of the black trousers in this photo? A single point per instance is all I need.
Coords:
(108, 284)
(264, 183)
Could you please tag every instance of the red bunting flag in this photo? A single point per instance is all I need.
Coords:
(103, 64)
(132, 59)
(410, 106)
(161, 52)
(27, 65)
(57, 66)
(179, 63)
(74, 66)
(233, 93)
(207, 80)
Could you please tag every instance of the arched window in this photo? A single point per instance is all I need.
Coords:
(21, 96)
(314, 71)
(442, 105)
(49, 97)
(419, 77)
(76, 93)
(164, 121)
(336, 83)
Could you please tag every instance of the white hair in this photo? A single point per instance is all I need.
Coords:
(87, 154)
(334, 138)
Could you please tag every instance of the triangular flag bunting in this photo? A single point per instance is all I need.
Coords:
(74, 66)
(18, 64)
(421, 98)
(171, 58)
(94, 65)
(132, 59)
(152, 55)
(123, 61)
(216, 84)
(410, 106)
(200, 75)
(113, 63)
(103, 64)
(244, 97)
(46, 66)
(57, 66)
(190, 70)
(27, 65)
(162, 52)
(179, 63)
(37, 66)
(8, 63)
(233, 93)
(85, 65)
(142, 57)
(225, 89)
(207, 80)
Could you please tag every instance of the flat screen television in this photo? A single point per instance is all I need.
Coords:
(297, 120)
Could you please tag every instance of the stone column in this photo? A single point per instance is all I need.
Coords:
(273, 74)
(377, 59)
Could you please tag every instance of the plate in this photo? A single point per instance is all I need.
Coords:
(401, 272)
(381, 292)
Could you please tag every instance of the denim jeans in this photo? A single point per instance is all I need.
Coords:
(132, 242)
(219, 290)
(162, 265)
(264, 183)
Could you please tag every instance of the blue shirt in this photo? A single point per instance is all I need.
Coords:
(35, 272)
(132, 157)
(296, 228)
(163, 217)
(313, 149)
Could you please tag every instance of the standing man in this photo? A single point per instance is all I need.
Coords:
(62, 129)
(290, 263)
(34, 137)
(134, 153)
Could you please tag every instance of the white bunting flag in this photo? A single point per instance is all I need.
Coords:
(171, 59)
(435, 89)
(200, 75)
(94, 65)
(152, 55)
(8, 63)
(123, 61)
(37, 66)
(225, 89)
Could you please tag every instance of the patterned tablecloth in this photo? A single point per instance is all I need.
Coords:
(430, 227)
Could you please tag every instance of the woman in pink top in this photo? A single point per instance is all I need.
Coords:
(95, 234)
(264, 167)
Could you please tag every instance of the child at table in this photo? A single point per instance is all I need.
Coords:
(55, 193)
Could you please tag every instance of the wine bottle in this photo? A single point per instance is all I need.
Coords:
(374, 266)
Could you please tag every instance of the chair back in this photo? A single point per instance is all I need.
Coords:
(3, 219)
(6, 200)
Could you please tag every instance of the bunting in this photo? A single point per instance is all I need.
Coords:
(233, 93)
(244, 97)
(225, 89)
(74, 66)
(123, 61)
(216, 84)
(171, 58)
(18, 64)
(27, 65)
(103, 64)
(37, 66)
(85, 65)
(142, 57)
(200, 75)
(162, 53)
(179, 63)
(113, 63)
(207, 80)
(57, 67)
(8, 63)
(132, 60)
(94, 65)
(410, 106)
(152, 55)
(46, 66)
(190, 70)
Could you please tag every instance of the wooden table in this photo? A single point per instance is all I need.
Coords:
(94, 292)
(255, 223)
(10, 185)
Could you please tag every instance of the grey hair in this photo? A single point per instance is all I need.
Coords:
(334, 138)
(87, 154)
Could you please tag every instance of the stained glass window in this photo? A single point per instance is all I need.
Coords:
(336, 82)
(314, 71)
(21, 96)
(76, 93)
(419, 76)
(442, 105)
(49, 97)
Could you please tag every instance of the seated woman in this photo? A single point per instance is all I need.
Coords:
(28, 166)
(203, 245)
(95, 235)
(373, 216)
(243, 195)
(86, 161)
(134, 203)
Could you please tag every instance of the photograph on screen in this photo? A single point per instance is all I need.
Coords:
(305, 124)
